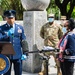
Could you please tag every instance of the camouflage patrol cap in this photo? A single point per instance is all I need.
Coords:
(51, 15)
(63, 17)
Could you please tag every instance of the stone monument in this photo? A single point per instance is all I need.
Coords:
(33, 18)
(35, 4)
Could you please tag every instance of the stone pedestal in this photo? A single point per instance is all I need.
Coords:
(33, 21)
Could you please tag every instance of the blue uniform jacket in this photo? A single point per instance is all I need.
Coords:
(15, 39)
(69, 47)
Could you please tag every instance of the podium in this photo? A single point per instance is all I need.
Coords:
(6, 48)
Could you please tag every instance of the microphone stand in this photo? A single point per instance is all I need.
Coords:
(46, 58)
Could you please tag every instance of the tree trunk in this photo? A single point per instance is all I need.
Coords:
(63, 7)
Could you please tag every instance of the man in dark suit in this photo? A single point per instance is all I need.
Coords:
(13, 33)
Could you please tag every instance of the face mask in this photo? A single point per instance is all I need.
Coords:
(51, 19)
(64, 30)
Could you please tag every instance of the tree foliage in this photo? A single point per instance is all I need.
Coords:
(58, 7)
(12, 4)
(52, 8)
(66, 7)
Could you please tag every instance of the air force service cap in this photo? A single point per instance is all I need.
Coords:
(10, 13)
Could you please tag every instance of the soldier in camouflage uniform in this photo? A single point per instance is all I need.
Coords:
(51, 33)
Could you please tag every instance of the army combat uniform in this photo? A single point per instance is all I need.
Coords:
(51, 35)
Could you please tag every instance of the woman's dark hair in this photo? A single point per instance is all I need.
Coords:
(71, 24)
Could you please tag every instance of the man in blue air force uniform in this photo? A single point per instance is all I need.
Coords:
(13, 33)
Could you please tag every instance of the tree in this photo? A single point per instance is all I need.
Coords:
(52, 8)
(66, 7)
(12, 4)
(63, 6)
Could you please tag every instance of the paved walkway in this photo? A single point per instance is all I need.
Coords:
(52, 69)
